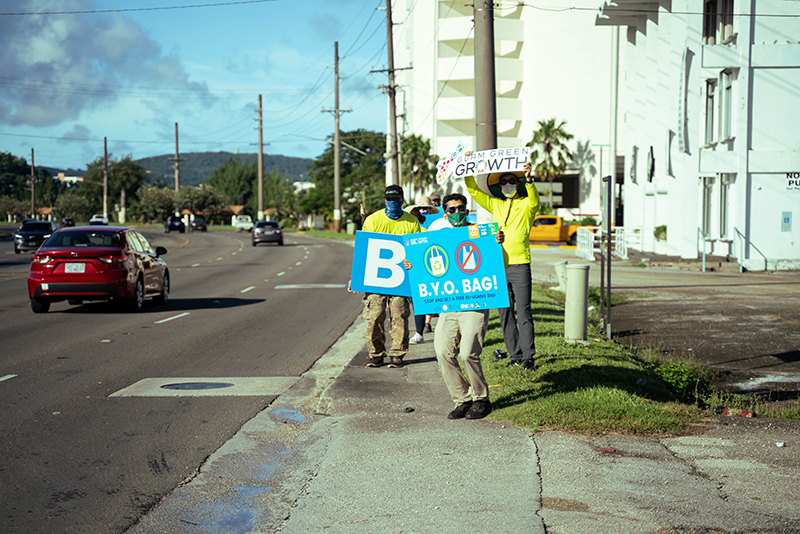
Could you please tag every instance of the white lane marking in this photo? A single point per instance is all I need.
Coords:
(311, 286)
(218, 259)
(171, 318)
(106, 341)
(196, 265)
(7, 377)
(233, 254)
(266, 279)
(299, 263)
(281, 273)
(245, 290)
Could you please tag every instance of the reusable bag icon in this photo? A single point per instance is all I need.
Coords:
(436, 262)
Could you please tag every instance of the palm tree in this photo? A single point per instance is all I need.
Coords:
(551, 140)
(418, 165)
(584, 159)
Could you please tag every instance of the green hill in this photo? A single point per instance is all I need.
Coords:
(196, 166)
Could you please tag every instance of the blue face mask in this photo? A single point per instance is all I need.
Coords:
(394, 209)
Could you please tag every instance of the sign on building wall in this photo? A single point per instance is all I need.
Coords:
(793, 181)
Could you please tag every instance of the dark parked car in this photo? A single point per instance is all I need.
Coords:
(32, 234)
(97, 263)
(174, 222)
(267, 232)
(67, 222)
(199, 224)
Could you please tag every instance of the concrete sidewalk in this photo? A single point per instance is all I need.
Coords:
(356, 450)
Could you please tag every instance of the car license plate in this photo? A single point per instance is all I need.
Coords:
(75, 267)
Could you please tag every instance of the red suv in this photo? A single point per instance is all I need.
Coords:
(97, 263)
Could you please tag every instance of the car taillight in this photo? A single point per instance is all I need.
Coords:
(41, 259)
(112, 259)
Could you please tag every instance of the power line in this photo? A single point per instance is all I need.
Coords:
(130, 9)
(641, 11)
(366, 24)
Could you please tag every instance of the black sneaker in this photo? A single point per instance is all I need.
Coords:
(395, 362)
(528, 365)
(479, 409)
(460, 411)
(499, 354)
(375, 362)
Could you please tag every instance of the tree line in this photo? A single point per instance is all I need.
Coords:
(235, 182)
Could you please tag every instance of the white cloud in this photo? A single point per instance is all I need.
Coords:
(55, 67)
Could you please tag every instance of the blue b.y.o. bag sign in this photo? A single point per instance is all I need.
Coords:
(456, 269)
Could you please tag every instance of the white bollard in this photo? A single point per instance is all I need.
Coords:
(561, 275)
(576, 307)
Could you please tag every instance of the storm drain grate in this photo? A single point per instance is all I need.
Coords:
(197, 385)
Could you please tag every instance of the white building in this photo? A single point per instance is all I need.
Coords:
(549, 63)
(712, 119)
(709, 108)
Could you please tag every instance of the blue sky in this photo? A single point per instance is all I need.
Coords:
(68, 80)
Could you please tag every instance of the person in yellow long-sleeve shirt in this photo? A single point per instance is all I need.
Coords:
(514, 206)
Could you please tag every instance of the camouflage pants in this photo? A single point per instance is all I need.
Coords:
(375, 314)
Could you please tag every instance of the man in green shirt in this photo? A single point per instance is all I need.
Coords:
(514, 206)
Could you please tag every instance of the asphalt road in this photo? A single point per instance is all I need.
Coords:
(77, 459)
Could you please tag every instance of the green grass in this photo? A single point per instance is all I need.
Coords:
(603, 387)
(327, 234)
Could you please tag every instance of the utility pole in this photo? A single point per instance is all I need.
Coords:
(105, 178)
(260, 163)
(392, 90)
(485, 92)
(337, 148)
(337, 142)
(177, 162)
(33, 189)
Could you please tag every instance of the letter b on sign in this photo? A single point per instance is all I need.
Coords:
(384, 264)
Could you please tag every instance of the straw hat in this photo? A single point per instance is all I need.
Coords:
(422, 203)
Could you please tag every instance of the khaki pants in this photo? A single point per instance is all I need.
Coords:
(468, 328)
(375, 314)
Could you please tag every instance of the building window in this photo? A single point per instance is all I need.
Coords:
(711, 90)
(717, 21)
(710, 22)
(726, 20)
(726, 105)
(708, 185)
(724, 187)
